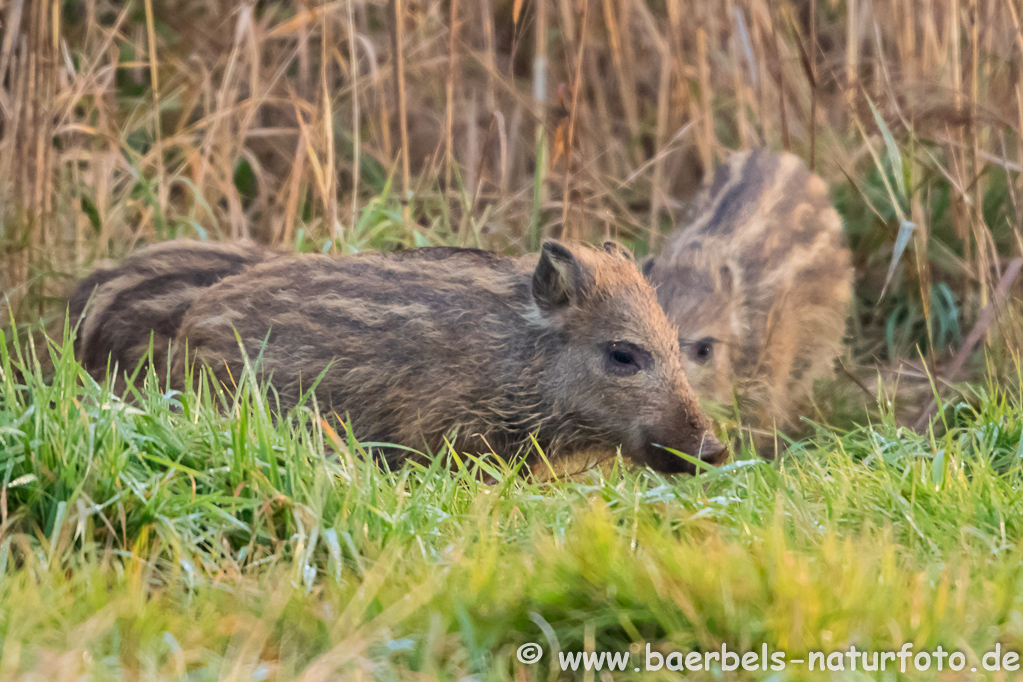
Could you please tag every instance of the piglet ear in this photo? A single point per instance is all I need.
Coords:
(560, 278)
(617, 249)
(647, 266)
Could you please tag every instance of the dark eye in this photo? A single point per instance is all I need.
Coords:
(625, 358)
(701, 351)
(622, 357)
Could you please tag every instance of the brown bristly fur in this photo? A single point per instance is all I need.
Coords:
(421, 345)
(759, 276)
(118, 310)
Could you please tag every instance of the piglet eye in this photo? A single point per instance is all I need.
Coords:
(622, 357)
(701, 351)
(625, 358)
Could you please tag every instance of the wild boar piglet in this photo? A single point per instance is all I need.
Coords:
(569, 345)
(758, 281)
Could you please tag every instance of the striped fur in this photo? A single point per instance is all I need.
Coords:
(419, 345)
(117, 310)
(760, 266)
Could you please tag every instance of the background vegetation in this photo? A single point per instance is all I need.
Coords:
(301, 124)
(165, 538)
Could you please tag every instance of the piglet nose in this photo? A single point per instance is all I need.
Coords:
(712, 451)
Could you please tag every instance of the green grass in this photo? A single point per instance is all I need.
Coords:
(167, 538)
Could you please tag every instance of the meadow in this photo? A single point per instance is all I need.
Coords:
(191, 535)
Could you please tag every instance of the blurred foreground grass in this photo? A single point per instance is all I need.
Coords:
(167, 539)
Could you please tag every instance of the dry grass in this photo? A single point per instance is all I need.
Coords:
(312, 125)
